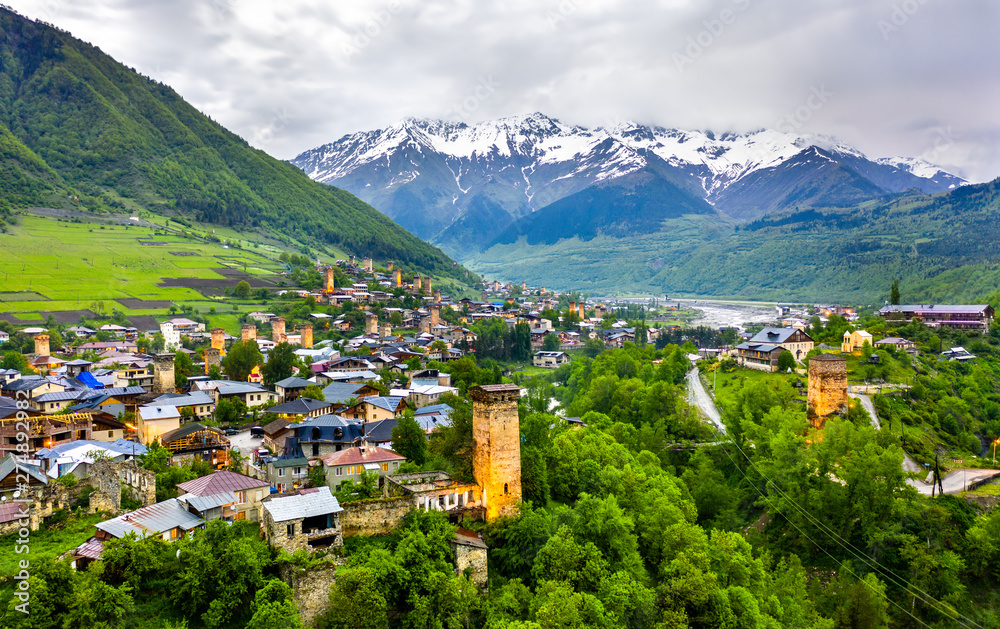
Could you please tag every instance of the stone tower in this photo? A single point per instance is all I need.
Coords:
(248, 332)
(366, 264)
(371, 323)
(399, 277)
(385, 330)
(329, 283)
(163, 374)
(219, 339)
(213, 358)
(171, 336)
(437, 295)
(827, 386)
(41, 345)
(583, 310)
(306, 332)
(435, 314)
(496, 453)
(427, 285)
(389, 265)
(416, 283)
(572, 307)
(278, 330)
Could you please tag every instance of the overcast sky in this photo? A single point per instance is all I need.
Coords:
(891, 77)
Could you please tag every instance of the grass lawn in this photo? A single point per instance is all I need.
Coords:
(729, 383)
(48, 544)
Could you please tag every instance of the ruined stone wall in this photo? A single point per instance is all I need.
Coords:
(276, 534)
(42, 503)
(475, 560)
(163, 374)
(496, 456)
(374, 517)
(109, 478)
(827, 385)
(310, 588)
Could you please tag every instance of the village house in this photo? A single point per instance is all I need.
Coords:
(193, 441)
(250, 394)
(291, 388)
(374, 408)
(318, 436)
(792, 339)
(975, 318)
(350, 464)
(248, 492)
(550, 360)
(900, 344)
(154, 421)
(306, 520)
(287, 474)
(299, 409)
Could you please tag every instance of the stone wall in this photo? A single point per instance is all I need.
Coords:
(43, 501)
(374, 517)
(475, 560)
(108, 478)
(827, 386)
(310, 588)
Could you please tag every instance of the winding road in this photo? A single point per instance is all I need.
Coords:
(953, 483)
(698, 396)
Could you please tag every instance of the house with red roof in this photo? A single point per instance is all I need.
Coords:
(240, 495)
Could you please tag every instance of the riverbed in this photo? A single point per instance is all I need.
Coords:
(721, 314)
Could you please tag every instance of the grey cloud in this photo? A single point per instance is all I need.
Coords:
(289, 76)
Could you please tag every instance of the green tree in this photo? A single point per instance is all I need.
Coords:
(242, 290)
(314, 392)
(240, 360)
(593, 347)
(356, 602)
(551, 343)
(183, 367)
(280, 361)
(230, 411)
(786, 361)
(894, 293)
(409, 439)
(273, 607)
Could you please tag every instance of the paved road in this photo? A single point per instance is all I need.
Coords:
(698, 396)
(953, 482)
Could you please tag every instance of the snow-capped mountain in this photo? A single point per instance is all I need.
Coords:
(459, 185)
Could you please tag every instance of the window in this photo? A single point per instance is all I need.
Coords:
(298, 471)
(241, 497)
(290, 530)
(281, 472)
(315, 449)
(111, 433)
(385, 467)
(340, 471)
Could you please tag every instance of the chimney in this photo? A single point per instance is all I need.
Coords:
(306, 332)
(435, 314)
(248, 332)
(212, 359)
(219, 339)
(278, 330)
(329, 280)
(371, 323)
(427, 285)
(583, 310)
(163, 374)
(42, 345)
(399, 277)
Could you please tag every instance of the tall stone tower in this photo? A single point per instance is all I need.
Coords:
(163, 374)
(399, 277)
(496, 453)
(583, 310)
(371, 323)
(389, 265)
(437, 295)
(306, 333)
(427, 285)
(329, 283)
(213, 358)
(435, 314)
(572, 307)
(278, 330)
(416, 283)
(219, 339)
(366, 264)
(827, 386)
(385, 330)
(41, 345)
(248, 332)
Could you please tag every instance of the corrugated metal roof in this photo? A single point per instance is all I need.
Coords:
(218, 482)
(204, 503)
(152, 520)
(308, 503)
(353, 456)
(91, 549)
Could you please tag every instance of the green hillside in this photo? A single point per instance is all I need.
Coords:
(80, 131)
(941, 248)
